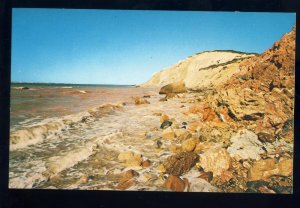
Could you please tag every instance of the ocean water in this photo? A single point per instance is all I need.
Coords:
(64, 132)
(43, 101)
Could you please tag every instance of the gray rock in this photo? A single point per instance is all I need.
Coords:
(245, 145)
(166, 124)
(201, 185)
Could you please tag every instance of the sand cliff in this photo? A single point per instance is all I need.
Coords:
(205, 69)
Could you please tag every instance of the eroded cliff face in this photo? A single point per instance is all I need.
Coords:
(202, 70)
(262, 93)
(239, 120)
(242, 87)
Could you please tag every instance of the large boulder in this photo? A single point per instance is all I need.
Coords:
(263, 169)
(245, 145)
(216, 160)
(177, 87)
(180, 163)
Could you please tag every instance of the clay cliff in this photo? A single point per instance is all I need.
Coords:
(229, 120)
(255, 90)
(205, 69)
(263, 91)
(243, 128)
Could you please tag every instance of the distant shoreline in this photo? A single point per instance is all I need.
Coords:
(66, 84)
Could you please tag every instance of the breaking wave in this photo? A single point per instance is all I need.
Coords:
(37, 132)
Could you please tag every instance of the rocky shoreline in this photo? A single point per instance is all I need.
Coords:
(211, 155)
(233, 136)
(237, 136)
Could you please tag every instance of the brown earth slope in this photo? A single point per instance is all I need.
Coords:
(242, 129)
(263, 91)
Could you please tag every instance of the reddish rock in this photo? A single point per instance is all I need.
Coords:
(164, 117)
(127, 179)
(175, 183)
(194, 126)
(226, 176)
(208, 114)
(195, 109)
(125, 185)
(146, 163)
(208, 176)
(180, 163)
(128, 175)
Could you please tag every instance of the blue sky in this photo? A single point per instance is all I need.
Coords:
(127, 47)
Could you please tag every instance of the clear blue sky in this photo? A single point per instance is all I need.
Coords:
(127, 47)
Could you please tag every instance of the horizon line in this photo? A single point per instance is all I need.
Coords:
(20, 82)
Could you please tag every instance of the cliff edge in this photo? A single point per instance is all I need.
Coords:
(201, 70)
